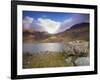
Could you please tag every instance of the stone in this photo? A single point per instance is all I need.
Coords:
(68, 49)
(82, 61)
(69, 61)
(79, 48)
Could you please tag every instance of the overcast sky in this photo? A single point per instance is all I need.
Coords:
(52, 22)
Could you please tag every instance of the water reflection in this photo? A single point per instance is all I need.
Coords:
(54, 47)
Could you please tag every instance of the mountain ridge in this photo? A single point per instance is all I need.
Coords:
(78, 31)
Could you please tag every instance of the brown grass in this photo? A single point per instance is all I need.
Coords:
(43, 60)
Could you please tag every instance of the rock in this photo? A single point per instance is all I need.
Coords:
(69, 49)
(81, 50)
(78, 47)
(82, 61)
(69, 61)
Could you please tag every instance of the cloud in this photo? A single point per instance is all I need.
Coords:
(27, 22)
(52, 26)
(68, 20)
(49, 25)
(75, 19)
(66, 24)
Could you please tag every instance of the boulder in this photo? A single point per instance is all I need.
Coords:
(82, 61)
(79, 48)
(69, 49)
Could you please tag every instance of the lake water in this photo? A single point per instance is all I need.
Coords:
(35, 48)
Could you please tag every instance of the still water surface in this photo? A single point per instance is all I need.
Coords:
(35, 48)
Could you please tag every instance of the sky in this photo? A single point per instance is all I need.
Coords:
(52, 22)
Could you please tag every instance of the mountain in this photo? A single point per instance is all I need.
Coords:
(79, 31)
(32, 35)
(76, 32)
(80, 25)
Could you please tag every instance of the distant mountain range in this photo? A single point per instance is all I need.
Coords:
(78, 31)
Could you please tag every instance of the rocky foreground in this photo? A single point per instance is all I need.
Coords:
(75, 53)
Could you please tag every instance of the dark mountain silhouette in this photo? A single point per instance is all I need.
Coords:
(80, 25)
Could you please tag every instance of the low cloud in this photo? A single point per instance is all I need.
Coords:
(52, 26)
(75, 19)
(49, 25)
(66, 24)
(27, 22)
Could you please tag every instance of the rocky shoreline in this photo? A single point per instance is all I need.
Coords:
(75, 53)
